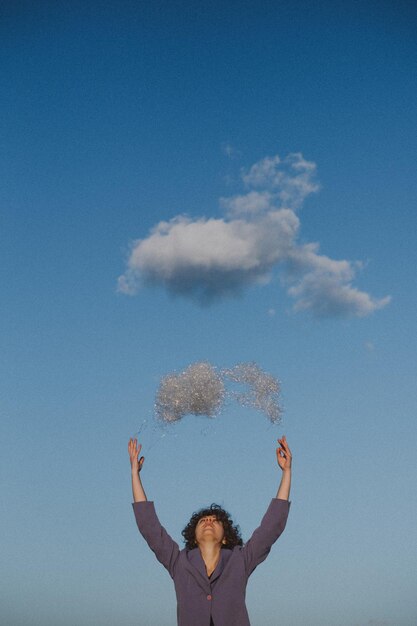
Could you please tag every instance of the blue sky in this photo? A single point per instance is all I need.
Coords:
(116, 118)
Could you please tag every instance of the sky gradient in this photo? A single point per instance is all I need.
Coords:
(223, 182)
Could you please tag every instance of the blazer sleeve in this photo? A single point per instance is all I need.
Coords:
(272, 525)
(165, 548)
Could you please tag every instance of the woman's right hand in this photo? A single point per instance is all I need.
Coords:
(134, 451)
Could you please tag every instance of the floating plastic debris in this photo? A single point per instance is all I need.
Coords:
(263, 389)
(200, 390)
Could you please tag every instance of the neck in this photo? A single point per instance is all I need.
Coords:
(210, 551)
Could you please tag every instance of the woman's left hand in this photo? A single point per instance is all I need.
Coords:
(284, 455)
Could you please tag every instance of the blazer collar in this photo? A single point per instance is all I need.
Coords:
(197, 562)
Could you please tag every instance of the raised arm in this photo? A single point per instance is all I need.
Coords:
(273, 522)
(136, 465)
(164, 547)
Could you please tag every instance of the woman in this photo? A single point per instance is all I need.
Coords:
(211, 573)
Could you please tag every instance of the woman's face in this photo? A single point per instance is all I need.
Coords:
(209, 529)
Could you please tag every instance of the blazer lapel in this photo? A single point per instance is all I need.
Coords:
(224, 557)
(196, 567)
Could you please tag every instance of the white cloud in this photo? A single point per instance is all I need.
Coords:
(291, 179)
(206, 258)
(328, 296)
(323, 285)
(251, 203)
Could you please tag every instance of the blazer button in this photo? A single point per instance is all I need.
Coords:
(209, 597)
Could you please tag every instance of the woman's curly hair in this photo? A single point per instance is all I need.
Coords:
(231, 532)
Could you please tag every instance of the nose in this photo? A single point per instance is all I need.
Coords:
(208, 521)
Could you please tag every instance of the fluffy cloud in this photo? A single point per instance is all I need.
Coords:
(209, 258)
(323, 285)
(291, 179)
(206, 258)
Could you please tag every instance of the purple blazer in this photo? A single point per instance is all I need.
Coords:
(220, 598)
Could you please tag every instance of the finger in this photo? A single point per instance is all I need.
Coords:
(285, 446)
